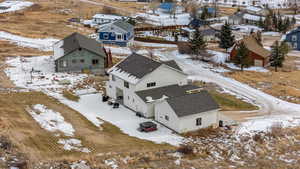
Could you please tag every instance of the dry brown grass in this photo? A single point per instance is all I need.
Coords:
(39, 144)
(71, 96)
(277, 84)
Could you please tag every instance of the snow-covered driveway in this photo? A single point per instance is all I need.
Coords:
(268, 104)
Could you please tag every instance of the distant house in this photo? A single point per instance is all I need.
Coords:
(209, 34)
(293, 38)
(167, 7)
(100, 19)
(244, 18)
(211, 11)
(258, 54)
(159, 90)
(256, 10)
(77, 53)
(119, 33)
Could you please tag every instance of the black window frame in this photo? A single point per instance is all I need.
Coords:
(167, 117)
(95, 61)
(151, 84)
(199, 121)
(126, 84)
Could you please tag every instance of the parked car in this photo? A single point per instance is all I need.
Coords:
(147, 126)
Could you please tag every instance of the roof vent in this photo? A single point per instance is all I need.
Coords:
(193, 91)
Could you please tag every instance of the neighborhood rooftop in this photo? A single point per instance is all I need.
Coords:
(123, 25)
(76, 41)
(252, 44)
(169, 91)
(194, 103)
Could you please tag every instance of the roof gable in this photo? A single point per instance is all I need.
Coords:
(76, 41)
(252, 45)
(135, 67)
(124, 25)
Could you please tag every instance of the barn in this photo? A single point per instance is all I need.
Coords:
(258, 54)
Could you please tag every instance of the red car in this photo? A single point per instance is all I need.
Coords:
(147, 126)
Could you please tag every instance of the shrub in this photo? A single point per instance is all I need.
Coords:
(184, 48)
(185, 149)
(69, 95)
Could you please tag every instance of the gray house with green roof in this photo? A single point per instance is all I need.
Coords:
(78, 53)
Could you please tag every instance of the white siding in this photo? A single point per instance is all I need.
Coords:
(58, 50)
(186, 123)
(162, 76)
(163, 109)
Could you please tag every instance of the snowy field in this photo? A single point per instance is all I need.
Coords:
(41, 44)
(271, 3)
(164, 19)
(11, 6)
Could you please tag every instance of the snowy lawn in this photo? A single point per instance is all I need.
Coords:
(50, 120)
(40, 44)
(11, 6)
(93, 108)
(43, 76)
(265, 124)
(164, 19)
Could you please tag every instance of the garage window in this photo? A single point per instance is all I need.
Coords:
(167, 117)
(198, 121)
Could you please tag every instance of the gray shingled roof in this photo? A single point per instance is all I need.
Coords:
(124, 25)
(173, 64)
(190, 104)
(139, 66)
(76, 41)
(169, 91)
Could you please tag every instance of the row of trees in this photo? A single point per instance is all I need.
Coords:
(275, 22)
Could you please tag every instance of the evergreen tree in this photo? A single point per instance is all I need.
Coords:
(242, 57)
(205, 14)
(293, 20)
(226, 37)
(197, 44)
(261, 23)
(277, 55)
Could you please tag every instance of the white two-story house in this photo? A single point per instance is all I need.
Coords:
(160, 90)
(138, 73)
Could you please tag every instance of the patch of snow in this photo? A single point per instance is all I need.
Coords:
(164, 19)
(265, 123)
(41, 44)
(73, 144)
(271, 33)
(80, 165)
(14, 5)
(111, 163)
(219, 57)
(50, 120)
(252, 68)
(43, 77)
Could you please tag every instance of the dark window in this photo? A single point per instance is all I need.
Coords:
(152, 84)
(198, 121)
(74, 61)
(113, 78)
(95, 61)
(79, 49)
(126, 84)
(167, 118)
(106, 36)
(82, 60)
